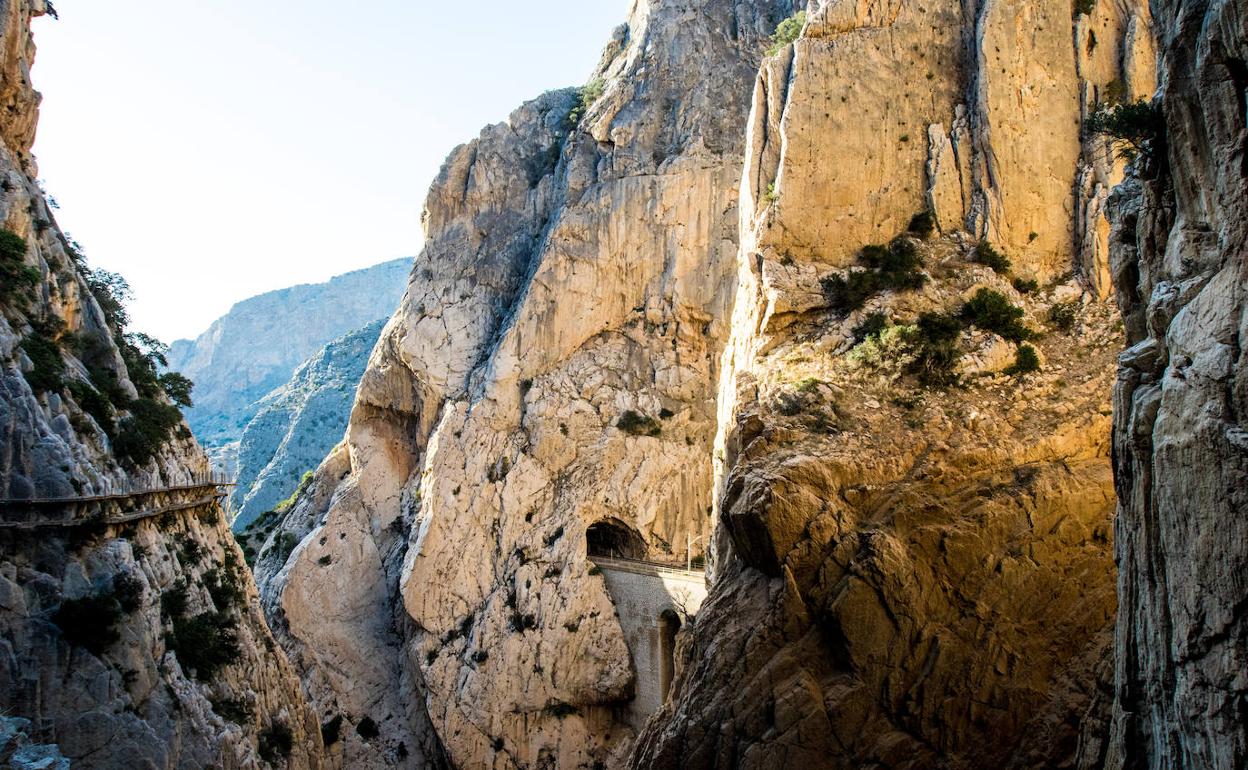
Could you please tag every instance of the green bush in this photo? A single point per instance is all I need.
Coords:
(786, 32)
(275, 743)
(1025, 286)
(128, 591)
(986, 255)
(1026, 361)
(48, 374)
(205, 643)
(141, 435)
(96, 404)
(1084, 7)
(589, 93)
(896, 267)
(173, 601)
(16, 277)
(89, 622)
(992, 311)
(559, 709)
(1134, 130)
(934, 343)
(923, 224)
(1064, 315)
(178, 388)
(636, 424)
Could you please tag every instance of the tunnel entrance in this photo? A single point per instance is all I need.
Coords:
(614, 539)
(669, 626)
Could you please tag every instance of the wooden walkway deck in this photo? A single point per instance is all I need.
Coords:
(110, 509)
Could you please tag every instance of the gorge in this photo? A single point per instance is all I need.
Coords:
(824, 384)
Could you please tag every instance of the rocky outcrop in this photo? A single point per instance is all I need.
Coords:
(299, 423)
(573, 274)
(138, 644)
(255, 348)
(1181, 446)
(907, 576)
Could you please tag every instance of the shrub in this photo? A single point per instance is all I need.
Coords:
(275, 743)
(48, 374)
(772, 195)
(331, 731)
(89, 622)
(985, 254)
(173, 601)
(896, 267)
(141, 435)
(1084, 7)
(1024, 286)
(178, 388)
(95, 404)
(891, 350)
(923, 224)
(992, 311)
(205, 643)
(589, 93)
(367, 729)
(288, 503)
(934, 342)
(225, 588)
(636, 424)
(1063, 315)
(16, 277)
(1133, 130)
(1026, 361)
(871, 326)
(786, 32)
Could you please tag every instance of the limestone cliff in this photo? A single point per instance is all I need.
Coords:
(908, 575)
(551, 368)
(103, 628)
(299, 423)
(1181, 446)
(255, 348)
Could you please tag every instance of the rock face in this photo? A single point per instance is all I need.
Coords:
(299, 423)
(1181, 445)
(571, 277)
(254, 349)
(89, 615)
(906, 576)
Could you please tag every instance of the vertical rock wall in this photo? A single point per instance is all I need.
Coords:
(1181, 450)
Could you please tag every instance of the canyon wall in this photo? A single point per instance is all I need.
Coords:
(99, 624)
(298, 424)
(552, 367)
(905, 575)
(1181, 450)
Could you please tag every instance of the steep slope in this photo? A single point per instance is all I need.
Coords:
(299, 423)
(1181, 446)
(570, 278)
(128, 645)
(908, 575)
(254, 348)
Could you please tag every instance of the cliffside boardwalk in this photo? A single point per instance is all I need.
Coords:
(113, 508)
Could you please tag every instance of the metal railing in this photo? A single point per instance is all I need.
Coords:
(113, 508)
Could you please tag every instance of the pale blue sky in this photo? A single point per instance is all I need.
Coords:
(213, 150)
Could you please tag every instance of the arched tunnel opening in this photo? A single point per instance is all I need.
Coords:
(614, 539)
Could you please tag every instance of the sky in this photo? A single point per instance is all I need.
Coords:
(213, 150)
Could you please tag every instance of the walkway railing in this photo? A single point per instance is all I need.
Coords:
(648, 567)
(114, 507)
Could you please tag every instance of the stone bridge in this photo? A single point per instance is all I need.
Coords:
(652, 601)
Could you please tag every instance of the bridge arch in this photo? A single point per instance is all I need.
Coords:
(613, 538)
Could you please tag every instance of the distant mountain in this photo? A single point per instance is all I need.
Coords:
(299, 423)
(254, 348)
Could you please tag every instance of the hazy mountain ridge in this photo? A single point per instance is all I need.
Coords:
(254, 348)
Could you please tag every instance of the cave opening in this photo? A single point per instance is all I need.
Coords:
(614, 539)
